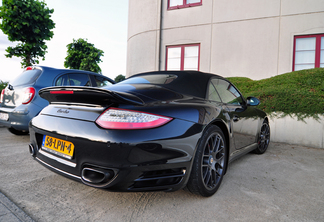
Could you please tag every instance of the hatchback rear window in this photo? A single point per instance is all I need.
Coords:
(27, 77)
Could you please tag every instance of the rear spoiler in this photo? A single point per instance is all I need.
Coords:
(87, 95)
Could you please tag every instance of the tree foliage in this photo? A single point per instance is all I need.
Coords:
(120, 78)
(3, 85)
(28, 22)
(83, 55)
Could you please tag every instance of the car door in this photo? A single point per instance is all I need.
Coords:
(243, 118)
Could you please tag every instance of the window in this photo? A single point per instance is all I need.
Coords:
(212, 93)
(101, 81)
(73, 80)
(27, 77)
(184, 57)
(150, 79)
(227, 92)
(175, 4)
(308, 52)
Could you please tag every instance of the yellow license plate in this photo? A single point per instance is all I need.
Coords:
(59, 147)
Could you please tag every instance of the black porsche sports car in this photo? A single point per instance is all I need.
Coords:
(157, 131)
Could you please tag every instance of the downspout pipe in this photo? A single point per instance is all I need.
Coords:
(160, 37)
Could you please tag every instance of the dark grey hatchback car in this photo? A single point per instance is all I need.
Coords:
(20, 102)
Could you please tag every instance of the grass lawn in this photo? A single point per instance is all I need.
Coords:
(300, 93)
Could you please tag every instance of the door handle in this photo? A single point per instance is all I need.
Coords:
(236, 118)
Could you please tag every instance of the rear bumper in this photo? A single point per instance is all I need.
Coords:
(19, 117)
(121, 160)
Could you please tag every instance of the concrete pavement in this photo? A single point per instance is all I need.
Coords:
(284, 184)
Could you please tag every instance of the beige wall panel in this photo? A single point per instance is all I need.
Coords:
(289, 7)
(232, 10)
(246, 48)
(303, 24)
(142, 53)
(190, 35)
(188, 16)
(143, 16)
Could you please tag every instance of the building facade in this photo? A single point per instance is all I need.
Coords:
(251, 38)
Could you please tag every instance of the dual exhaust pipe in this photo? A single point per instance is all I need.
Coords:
(32, 150)
(92, 176)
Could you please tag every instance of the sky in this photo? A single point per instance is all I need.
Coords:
(102, 22)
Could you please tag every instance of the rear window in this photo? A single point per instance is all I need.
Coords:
(27, 77)
(150, 79)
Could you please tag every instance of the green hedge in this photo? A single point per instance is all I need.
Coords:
(300, 93)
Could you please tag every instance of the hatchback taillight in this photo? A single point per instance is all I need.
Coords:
(28, 95)
(114, 118)
(1, 97)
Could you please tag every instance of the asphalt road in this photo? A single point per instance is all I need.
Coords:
(284, 184)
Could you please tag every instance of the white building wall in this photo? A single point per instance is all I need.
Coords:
(250, 38)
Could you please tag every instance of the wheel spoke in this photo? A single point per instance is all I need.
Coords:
(207, 177)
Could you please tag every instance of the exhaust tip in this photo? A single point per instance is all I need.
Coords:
(32, 150)
(97, 177)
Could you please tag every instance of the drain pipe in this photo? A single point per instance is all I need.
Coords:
(160, 38)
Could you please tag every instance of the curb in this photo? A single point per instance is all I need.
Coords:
(10, 212)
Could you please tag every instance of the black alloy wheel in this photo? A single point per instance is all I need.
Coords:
(264, 138)
(209, 164)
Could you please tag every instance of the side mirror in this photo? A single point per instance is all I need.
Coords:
(252, 101)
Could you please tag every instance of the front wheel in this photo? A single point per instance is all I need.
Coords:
(209, 164)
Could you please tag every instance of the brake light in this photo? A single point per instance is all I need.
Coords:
(29, 68)
(28, 95)
(61, 92)
(114, 118)
(1, 97)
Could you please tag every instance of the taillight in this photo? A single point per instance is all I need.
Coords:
(114, 118)
(1, 97)
(28, 95)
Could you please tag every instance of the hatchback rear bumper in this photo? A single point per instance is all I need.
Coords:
(19, 117)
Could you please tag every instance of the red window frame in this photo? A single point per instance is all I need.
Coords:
(182, 55)
(184, 5)
(317, 48)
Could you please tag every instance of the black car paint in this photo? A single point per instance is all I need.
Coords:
(140, 158)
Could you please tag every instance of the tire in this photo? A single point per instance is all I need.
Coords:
(18, 132)
(209, 164)
(264, 138)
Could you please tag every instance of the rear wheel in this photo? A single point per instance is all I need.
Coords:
(264, 138)
(209, 164)
(18, 132)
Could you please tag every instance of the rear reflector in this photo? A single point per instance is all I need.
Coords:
(28, 95)
(114, 118)
(61, 92)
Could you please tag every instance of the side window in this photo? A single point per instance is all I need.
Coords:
(79, 80)
(227, 92)
(62, 81)
(212, 93)
(101, 81)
